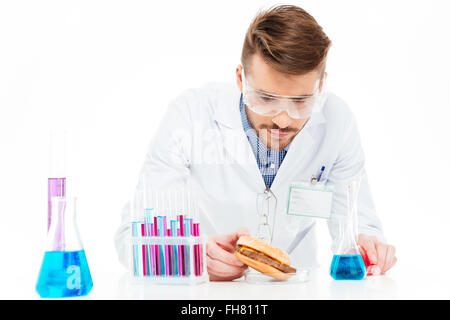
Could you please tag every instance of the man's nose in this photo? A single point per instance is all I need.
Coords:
(282, 120)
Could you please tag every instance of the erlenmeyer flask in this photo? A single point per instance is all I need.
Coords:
(347, 263)
(64, 270)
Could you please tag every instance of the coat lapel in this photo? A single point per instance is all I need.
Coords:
(300, 146)
(234, 139)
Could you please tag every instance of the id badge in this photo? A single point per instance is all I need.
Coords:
(310, 200)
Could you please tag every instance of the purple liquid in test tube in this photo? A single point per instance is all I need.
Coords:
(57, 172)
(56, 188)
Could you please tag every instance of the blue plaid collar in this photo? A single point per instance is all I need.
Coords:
(269, 161)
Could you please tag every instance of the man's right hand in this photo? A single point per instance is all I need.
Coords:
(221, 262)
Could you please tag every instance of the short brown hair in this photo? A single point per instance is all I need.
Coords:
(289, 39)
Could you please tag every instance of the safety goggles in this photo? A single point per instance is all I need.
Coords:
(270, 105)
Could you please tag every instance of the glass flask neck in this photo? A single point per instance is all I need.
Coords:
(347, 238)
(63, 231)
(348, 226)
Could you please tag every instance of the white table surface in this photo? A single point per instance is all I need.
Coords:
(415, 282)
(393, 285)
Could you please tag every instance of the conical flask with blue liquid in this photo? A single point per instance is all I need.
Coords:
(64, 270)
(347, 263)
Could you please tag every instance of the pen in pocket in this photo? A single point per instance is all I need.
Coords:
(320, 174)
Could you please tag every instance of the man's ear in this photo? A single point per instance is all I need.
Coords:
(322, 81)
(239, 69)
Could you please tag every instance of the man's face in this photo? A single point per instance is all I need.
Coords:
(276, 132)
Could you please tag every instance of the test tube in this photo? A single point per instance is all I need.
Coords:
(148, 213)
(156, 247)
(166, 247)
(197, 251)
(182, 261)
(153, 250)
(57, 173)
(136, 255)
(161, 247)
(144, 251)
(170, 255)
(173, 225)
(188, 248)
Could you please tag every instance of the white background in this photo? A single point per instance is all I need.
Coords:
(105, 70)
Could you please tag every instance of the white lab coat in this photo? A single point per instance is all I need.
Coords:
(201, 142)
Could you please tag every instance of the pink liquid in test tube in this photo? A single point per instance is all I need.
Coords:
(166, 247)
(144, 251)
(198, 260)
(183, 267)
(170, 255)
(180, 263)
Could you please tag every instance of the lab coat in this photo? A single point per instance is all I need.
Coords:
(201, 143)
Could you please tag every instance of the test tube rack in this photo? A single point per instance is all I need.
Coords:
(169, 260)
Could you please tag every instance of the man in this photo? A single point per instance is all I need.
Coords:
(277, 127)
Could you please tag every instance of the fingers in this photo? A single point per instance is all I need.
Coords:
(381, 256)
(222, 264)
(373, 270)
(228, 241)
(368, 244)
(386, 256)
(390, 258)
(219, 270)
(218, 253)
(242, 231)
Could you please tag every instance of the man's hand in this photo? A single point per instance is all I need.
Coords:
(378, 256)
(221, 262)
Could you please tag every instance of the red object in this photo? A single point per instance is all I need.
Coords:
(365, 257)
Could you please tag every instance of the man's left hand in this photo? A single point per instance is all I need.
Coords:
(378, 256)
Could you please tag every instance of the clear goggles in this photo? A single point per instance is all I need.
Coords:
(270, 105)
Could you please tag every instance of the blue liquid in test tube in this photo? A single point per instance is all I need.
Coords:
(161, 247)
